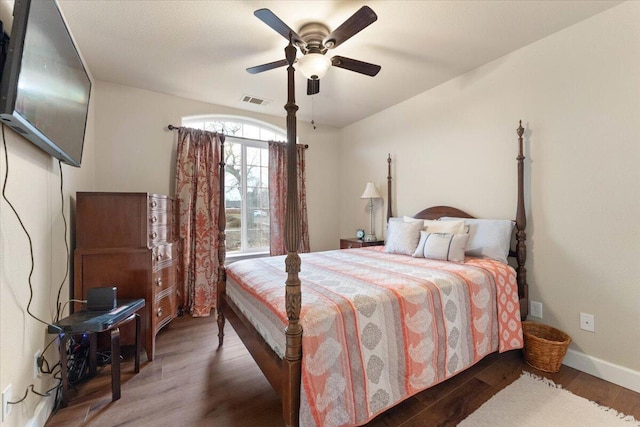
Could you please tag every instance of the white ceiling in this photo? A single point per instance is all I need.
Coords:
(200, 49)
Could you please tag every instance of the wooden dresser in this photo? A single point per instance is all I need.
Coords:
(128, 240)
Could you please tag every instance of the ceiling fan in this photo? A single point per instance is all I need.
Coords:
(314, 40)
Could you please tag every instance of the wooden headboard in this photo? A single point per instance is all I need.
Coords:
(437, 212)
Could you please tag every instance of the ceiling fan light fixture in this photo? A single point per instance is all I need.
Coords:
(314, 65)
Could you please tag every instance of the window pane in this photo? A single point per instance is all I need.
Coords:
(261, 197)
(233, 128)
(231, 177)
(233, 154)
(253, 156)
(267, 135)
(253, 176)
(258, 237)
(233, 240)
(250, 131)
(232, 200)
(257, 217)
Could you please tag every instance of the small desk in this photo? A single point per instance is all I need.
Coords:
(91, 322)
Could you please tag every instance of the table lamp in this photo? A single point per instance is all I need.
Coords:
(370, 192)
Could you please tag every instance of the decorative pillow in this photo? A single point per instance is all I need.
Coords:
(433, 226)
(442, 246)
(402, 237)
(488, 238)
(396, 219)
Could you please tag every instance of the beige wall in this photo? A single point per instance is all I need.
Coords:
(136, 152)
(33, 187)
(578, 94)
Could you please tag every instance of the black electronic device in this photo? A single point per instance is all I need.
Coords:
(45, 88)
(102, 299)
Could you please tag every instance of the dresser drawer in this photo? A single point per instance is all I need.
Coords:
(160, 226)
(159, 234)
(164, 308)
(163, 256)
(163, 279)
(159, 203)
(158, 218)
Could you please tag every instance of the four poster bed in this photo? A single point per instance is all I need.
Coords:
(378, 326)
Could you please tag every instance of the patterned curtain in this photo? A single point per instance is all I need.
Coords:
(198, 201)
(278, 198)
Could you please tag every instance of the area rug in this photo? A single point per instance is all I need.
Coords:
(536, 402)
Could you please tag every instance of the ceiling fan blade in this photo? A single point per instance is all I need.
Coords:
(355, 65)
(356, 23)
(270, 18)
(264, 67)
(313, 86)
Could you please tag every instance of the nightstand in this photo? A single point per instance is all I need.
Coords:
(356, 243)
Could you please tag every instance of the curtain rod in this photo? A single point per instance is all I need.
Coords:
(172, 127)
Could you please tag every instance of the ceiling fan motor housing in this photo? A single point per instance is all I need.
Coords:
(313, 34)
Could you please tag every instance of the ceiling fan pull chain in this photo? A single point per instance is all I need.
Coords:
(313, 98)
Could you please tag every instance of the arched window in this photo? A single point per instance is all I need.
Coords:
(246, 154)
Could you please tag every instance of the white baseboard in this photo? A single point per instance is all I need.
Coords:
(625, 377)
(42, 412)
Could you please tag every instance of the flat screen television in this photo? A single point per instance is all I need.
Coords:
(45, 88)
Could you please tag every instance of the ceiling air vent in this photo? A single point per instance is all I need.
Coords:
(255, 100)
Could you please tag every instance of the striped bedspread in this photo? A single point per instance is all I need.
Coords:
(379, 328)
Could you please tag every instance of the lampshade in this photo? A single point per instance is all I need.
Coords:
(370, 192)
(314, 65)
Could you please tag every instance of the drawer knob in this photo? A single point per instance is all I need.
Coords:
(349, 246)
(154, 203)
(158, 257)
(159, 312)
(154, 219)
(158, 281)
(153, 235)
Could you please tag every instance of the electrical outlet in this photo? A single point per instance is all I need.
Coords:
(535, 309)
(6, 398)
(587, 322)
(36, 364)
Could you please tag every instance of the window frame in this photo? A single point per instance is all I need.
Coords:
(274, 134)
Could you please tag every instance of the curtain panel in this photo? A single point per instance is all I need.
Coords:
(278, 198)
(198, 200)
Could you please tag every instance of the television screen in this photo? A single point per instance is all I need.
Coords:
(45, 88)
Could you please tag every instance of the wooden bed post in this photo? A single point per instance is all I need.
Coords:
(292, 362)
(388, 187)
(521, 235)
(222, 248)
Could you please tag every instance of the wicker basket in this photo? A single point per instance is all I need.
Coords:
(544, 346)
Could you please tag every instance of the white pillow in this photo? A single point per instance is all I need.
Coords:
(434, 226)
(402, 237)
(488, 238)
(442, 246)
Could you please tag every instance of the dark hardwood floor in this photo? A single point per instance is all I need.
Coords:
(193, 383)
